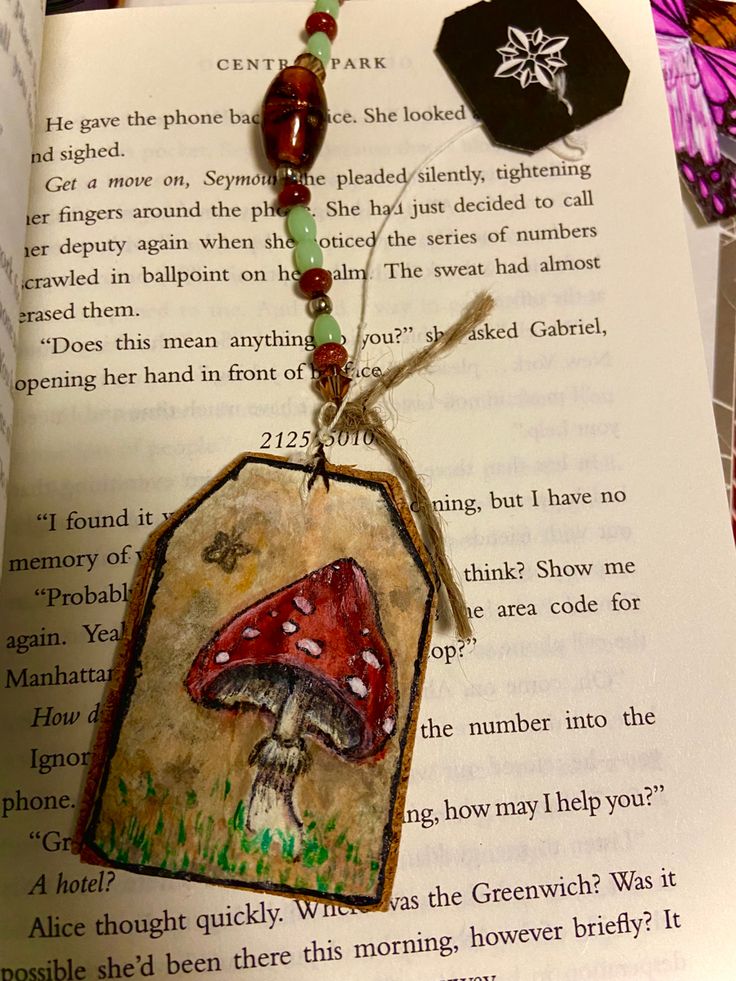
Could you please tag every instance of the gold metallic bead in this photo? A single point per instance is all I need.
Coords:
(308, 61)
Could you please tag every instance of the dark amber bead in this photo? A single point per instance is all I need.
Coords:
(320, 21)
(330, 356)
(294, 118)
(333, 384)
(315, 281)
(292, 194)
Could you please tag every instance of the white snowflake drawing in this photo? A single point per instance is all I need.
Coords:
(532, 58)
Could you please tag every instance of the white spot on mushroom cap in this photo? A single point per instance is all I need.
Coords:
(309, 646)
(357, 686)
(222, 657)
(388, 725)
(250, 632)
(364, 631)
(304, 605)
(273, 613)
(369, 657)
(289, 627)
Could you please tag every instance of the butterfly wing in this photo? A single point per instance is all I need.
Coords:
(708, 175)
(670, 19)
(693, 127)
(717, 70)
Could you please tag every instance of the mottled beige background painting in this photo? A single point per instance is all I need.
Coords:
(175, 795)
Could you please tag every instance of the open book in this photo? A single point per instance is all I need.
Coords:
(570, 806)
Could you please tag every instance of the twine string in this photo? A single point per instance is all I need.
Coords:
(370, 268)
(360, 414)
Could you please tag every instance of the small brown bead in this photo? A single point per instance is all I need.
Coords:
(315, 281)
(312, 64)
(333, 385)
(319, 21)
(330, 356)
(294, 118)
(292, 194)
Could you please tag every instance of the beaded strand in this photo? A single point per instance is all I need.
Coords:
(294, 119)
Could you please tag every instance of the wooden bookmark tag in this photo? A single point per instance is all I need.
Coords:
(263, 709)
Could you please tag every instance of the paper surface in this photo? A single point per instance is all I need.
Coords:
(568, 772)
(20, 49)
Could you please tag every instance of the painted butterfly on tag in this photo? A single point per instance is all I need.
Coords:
(696, 40)
(225, 550)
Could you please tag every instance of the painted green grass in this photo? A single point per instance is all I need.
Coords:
(209, 838)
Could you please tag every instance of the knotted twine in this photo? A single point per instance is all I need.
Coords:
(360, 414)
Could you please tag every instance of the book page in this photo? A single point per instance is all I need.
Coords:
(569, 811)
(20, 49)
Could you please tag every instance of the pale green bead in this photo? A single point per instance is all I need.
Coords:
(301, 223)
(307, 255)
(331, 7)
(319, 46)
(326, 330)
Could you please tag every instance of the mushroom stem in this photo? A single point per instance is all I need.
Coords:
(290, 723)
(279, 760)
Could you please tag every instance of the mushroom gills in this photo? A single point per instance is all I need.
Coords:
(249, 686)
(327, 717)
(333, 721)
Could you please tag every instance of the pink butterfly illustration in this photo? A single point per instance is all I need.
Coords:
(696, 41)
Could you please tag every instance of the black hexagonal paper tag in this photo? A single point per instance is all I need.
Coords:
(534, 71)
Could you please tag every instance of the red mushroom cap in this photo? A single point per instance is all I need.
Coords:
(323, 632)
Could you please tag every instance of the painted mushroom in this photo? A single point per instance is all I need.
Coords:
(314, 656)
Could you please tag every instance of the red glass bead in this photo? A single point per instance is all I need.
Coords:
(319, 21)
(315, 281)
(294, 118)
(292, 194)
(330, 356)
